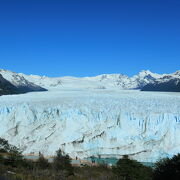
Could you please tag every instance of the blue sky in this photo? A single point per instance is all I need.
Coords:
(89, 37)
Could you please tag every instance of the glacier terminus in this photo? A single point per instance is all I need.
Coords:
(110, 123)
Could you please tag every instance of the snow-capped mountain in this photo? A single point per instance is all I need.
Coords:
(169, 82)
(20, 82)
(6, 87)
(143, 78)
(104, 81)
(177, 74)
(43, 81)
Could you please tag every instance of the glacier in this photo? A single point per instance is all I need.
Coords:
(86, 122)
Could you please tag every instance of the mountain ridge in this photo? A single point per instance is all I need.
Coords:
(21, 84)
(103, 81)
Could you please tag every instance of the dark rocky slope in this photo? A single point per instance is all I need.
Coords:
(171, 85)
(6, 87)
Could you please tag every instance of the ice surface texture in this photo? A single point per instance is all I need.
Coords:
(110, 123)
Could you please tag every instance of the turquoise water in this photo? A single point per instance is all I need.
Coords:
(109, 161)
(113, 161)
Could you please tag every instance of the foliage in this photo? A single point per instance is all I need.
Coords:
(1, 159)
(62, 162)
(14, 158)
(15, 167)
(168, 168)
(4, 145)
(93, 173)
(128, 169)
(42, 162)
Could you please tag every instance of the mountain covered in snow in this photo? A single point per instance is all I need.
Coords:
(6, 87)
(22, 84)
(104, 81)
(169, 83)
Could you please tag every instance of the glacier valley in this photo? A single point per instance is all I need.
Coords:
(86, 122)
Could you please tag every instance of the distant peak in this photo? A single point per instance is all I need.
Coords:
(177, 73)
(7, 71)
(145, 72)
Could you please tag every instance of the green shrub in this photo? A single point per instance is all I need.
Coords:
(42, 162)
(14, 159)
(1, 159)
(168, 168)
(128, 169)
(62, 162)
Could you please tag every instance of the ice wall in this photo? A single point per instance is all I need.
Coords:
(144, 125)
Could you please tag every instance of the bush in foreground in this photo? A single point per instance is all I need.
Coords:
(62, 162)
(42, 162)
(128, 169)
(168, 168)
